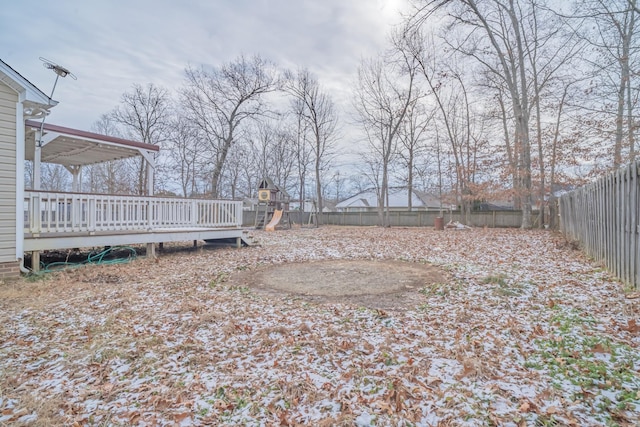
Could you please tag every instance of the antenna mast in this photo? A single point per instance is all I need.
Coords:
(60, 72)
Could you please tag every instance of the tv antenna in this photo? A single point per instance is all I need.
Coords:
(60, 72)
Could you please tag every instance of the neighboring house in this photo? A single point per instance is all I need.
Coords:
(367, 201)
(494, 205)
(250, 204)
(558, 190)
(312, 206)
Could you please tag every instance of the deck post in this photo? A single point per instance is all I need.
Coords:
(35, 261)
(238, 242)
(151, 250)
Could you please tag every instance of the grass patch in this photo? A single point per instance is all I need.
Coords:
(503, 287)
(496, 279)
(219, 279)
(439, 289)
(587, 367)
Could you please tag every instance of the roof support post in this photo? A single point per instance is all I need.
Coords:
(35, 215)
(75, 171)
(151, 168)
(37, 159)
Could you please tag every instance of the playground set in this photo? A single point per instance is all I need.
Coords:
(273, 206)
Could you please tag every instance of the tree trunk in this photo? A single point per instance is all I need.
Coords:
(541, 193)
(522, 116)
(319, 191)
(617, 150)
(627, 74)
(384, 196)
(410, 182)
(219, 164)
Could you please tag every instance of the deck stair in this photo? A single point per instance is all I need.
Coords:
(249, 239)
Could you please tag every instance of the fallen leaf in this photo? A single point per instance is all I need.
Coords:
(384, 406)
(631, 326)
(599, 348)
(134, 417)
(178, 418)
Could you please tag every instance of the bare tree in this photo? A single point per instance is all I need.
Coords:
(114, 177)
(240, 164)
(448, 89)
(185, 149)
(412, 139)
(383, 94)
(496, 40)
(302, 146)
(612, 35)
(283, 157)
(319, 112)
(143, 115)
(550, 50)
(220, 100)
(273, 147)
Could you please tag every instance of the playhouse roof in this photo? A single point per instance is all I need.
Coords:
(267, 183)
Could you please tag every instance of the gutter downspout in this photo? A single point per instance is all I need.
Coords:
(20, 158)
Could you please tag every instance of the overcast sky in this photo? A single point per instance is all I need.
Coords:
(112, 44)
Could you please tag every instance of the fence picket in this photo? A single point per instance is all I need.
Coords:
(604, 217)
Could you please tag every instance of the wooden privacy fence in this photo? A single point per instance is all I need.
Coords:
(425, 218)
(603, 217)
(403, 218)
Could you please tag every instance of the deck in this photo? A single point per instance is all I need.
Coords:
(58, 220)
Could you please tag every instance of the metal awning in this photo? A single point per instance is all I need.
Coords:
(72, 147)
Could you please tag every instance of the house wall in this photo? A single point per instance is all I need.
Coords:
(8, 263)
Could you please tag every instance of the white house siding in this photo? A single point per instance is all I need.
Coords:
(8, 100)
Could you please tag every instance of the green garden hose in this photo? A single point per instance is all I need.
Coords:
(93, 258)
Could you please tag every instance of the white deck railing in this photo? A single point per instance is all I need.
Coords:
(57, 212)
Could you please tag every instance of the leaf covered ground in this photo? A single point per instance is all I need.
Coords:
(526, 331)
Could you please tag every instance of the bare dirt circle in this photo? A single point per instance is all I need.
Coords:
(383, 284)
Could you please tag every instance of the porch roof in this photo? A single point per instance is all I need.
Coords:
(73, 147)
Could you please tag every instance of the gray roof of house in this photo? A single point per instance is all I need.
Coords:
(398, 198)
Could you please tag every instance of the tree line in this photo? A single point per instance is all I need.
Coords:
(473, 100)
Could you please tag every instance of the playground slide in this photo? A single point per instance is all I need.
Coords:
(277, 215)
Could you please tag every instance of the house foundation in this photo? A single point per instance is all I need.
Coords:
(9, 270)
